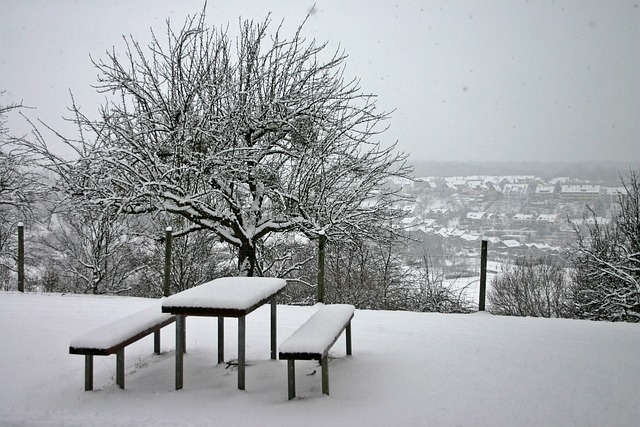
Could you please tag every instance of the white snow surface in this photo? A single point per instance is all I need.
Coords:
(236, 293)
(319, 330)
(407, 369)
(111, 334)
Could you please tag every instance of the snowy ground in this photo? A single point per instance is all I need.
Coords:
(407, 369)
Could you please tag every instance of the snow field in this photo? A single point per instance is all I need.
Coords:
(406, 369)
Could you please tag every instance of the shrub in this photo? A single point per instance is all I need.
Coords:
(606, 260)
(531, 287)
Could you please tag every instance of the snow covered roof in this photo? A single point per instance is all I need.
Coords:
(614, 191)
(523, 217)
(545, 189)
(515, 188)
(475, 215)
(411, 220)
(511, 243)
(470, 237)
(580, 189)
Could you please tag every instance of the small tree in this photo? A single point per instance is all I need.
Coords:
(195, 258)
(246, 140)
(95, 251)
(531, 287)
(20, 189)
(606, 282)
(430, 292)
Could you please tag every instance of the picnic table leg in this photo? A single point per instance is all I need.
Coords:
(291, 377)
(156, 341)
(273, 328)
(241, 350)
(220, 339)
(179, 349)
(184, 334)
(348, 336)
(88, 372)
(120, 367)
(325, 374)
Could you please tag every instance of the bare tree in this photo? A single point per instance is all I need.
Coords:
(247, 139)
(196, 257)
(536, 287)
(20, 188)
(94, 251)
(607, 261)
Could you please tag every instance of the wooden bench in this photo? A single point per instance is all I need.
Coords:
(313, 340)
(114, 337)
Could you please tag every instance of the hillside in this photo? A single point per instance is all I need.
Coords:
(407, 369)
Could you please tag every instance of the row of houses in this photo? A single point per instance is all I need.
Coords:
(466, 238)
(519, 217)
(520, 186)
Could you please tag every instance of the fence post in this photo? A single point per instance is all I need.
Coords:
(167, 262)
(483, 276)
(20, 257)
(322, 240)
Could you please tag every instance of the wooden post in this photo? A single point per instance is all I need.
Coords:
(167, 262)
(483, 276)
(322, 240)
(20, 257)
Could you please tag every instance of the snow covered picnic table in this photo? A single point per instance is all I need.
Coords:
(224, 297)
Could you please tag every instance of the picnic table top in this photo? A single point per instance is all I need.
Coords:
(227, 296)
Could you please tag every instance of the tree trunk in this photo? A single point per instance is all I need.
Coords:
(247, 260)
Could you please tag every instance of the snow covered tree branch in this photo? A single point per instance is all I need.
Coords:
(20, 189)
(248, 138)
(607, 261)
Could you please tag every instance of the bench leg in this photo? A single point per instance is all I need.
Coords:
(120, 367)
(156, 342)
(220, 339)
(325, 374)
(291, 377)
(88, 372)
(348, 336)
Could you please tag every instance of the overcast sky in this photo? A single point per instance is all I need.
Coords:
(469, 80)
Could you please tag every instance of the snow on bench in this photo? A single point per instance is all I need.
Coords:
(313, 340)
(115, 336)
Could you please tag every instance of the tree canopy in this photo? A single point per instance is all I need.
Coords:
(244, 137)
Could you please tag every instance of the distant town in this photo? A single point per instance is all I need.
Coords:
(517, 214)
